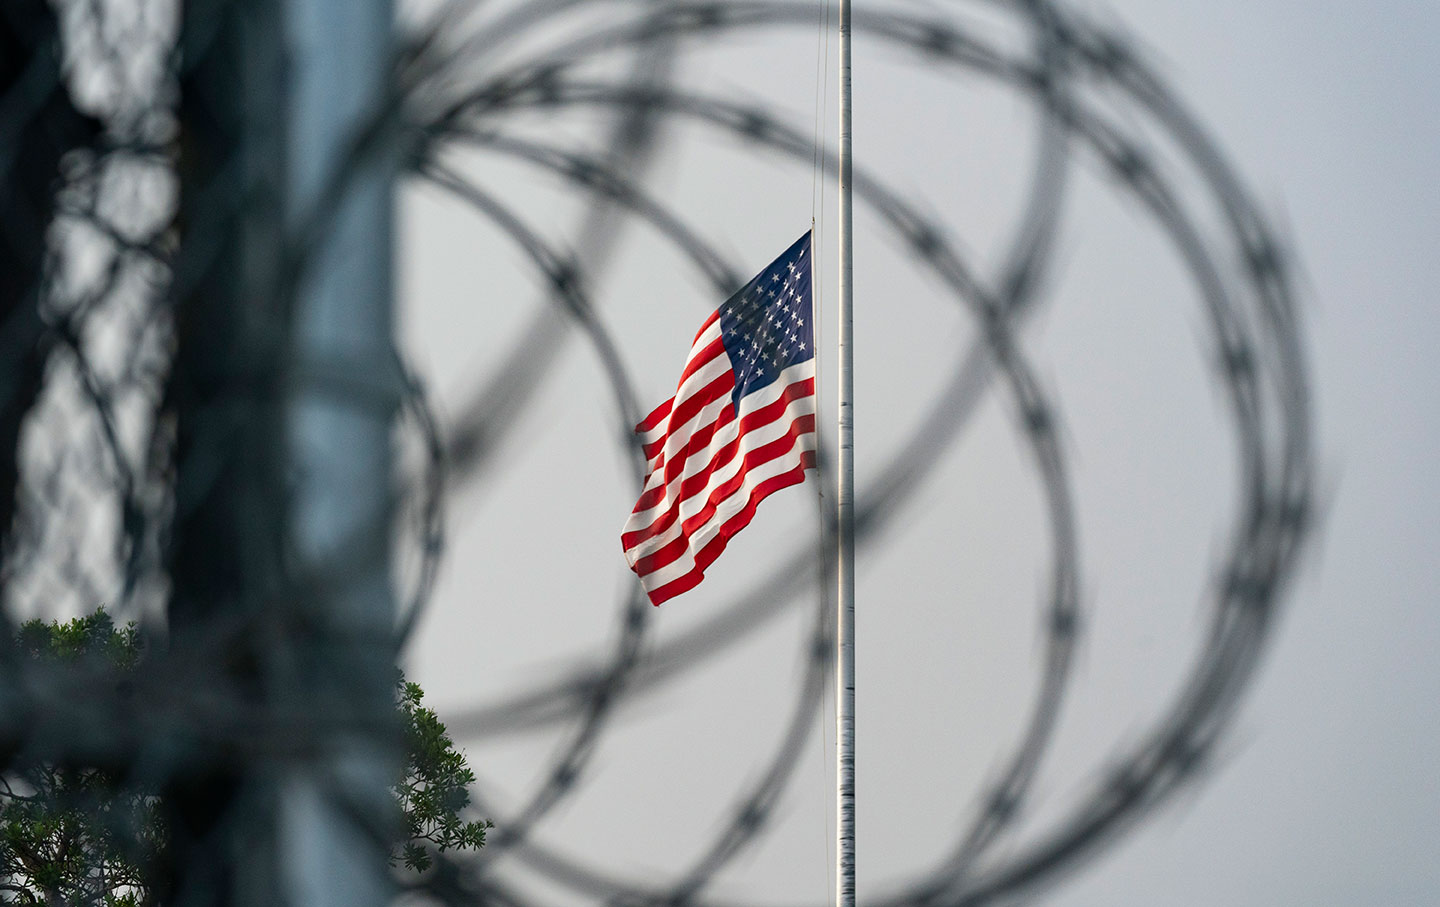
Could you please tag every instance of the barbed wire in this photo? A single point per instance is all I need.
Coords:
(95, 474)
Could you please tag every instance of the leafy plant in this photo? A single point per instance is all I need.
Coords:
(72, 834)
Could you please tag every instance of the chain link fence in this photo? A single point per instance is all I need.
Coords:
(198, 375)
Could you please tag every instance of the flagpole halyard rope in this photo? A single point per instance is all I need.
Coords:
(823, 561)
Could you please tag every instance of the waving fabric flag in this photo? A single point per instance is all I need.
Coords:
(740, 426)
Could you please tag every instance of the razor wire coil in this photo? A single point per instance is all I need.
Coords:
(94, 484)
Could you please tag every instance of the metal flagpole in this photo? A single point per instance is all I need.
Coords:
(845, 516)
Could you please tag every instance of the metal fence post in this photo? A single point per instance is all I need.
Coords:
(340, 419)
(284, 392)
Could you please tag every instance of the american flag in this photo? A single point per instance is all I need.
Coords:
(740, 426)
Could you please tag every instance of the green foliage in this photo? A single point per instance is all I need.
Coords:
(79, 835)
(92, 636)
(435, 788)
(75, 834)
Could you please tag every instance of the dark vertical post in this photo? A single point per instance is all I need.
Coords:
(283, 413)
(226, 397)
(344, 393)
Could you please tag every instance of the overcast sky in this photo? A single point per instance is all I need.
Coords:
(1327, 791)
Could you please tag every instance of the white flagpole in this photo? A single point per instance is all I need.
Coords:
(845, 516)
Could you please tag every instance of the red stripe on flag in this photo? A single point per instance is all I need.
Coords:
(697, 483)
(674, 467)
(655, 418)
(781, 446)
(717, 545)
(693, 484)
(701, 455)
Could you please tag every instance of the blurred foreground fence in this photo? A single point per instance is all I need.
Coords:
(200, 395)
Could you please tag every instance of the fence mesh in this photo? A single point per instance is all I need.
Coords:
(151, 259)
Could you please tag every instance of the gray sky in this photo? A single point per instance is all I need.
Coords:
(1326, 793)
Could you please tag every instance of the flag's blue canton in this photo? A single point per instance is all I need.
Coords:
(766, 327)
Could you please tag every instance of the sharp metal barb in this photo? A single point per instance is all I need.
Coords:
(97, 487)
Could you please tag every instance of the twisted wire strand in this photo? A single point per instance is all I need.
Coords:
(1123, 159)
(1018, 283)
(457, 86)
(746, 821)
